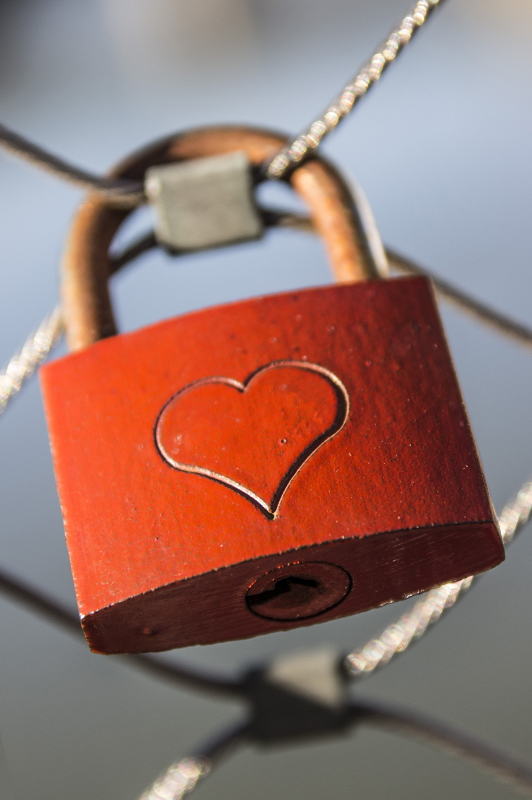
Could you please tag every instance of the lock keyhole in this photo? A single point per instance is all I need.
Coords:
(297, 588)
(297, 591)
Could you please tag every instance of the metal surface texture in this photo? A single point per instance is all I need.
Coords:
(206, 202)
(316, 406)
(86, 265)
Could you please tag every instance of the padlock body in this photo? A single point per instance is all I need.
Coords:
(265, 464)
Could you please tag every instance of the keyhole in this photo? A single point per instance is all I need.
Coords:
(297, 588)
(298, 591)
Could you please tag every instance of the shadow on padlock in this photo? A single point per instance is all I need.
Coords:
(265, 464)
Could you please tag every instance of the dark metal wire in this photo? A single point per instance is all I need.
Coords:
(139, 247)
(465, 302)
(183, 777)
(494, 319)
(128, 194)
(52, 611)
(489, 316)
(220, 745)
(502, 766)
(118, 192)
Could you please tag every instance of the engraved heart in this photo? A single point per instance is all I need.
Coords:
(254, 437)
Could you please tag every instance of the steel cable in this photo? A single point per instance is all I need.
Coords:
(34, 351)
(398, 636)
(129, 194)
(500, 323)
(183, 777)
(38, 345)
(353, 92)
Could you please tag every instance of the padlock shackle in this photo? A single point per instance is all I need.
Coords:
(86, 265)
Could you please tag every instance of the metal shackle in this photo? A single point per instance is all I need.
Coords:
(86, 265)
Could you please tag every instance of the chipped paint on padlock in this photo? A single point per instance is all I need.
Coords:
(393, 497)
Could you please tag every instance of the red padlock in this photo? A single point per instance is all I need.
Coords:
(265, 464)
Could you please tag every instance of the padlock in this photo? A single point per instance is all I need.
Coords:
(264, 464)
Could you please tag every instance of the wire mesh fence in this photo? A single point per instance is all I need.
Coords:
(182, 778)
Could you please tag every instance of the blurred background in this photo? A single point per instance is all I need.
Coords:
(442, 149)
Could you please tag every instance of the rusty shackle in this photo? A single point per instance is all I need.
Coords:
(86, 265)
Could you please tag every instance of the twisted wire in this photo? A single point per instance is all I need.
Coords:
(398, 636)
(182, 778)
(38, 345)
(352, 93)
(179, 779)
(35, 350)
(128, 194)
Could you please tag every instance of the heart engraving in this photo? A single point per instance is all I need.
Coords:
(254, 440)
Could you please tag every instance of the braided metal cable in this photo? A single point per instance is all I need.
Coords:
(353, 92)
(398, 636)
(179, 779)
(38, 345)
(128, 194)
(183, 777)
(36, 348)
